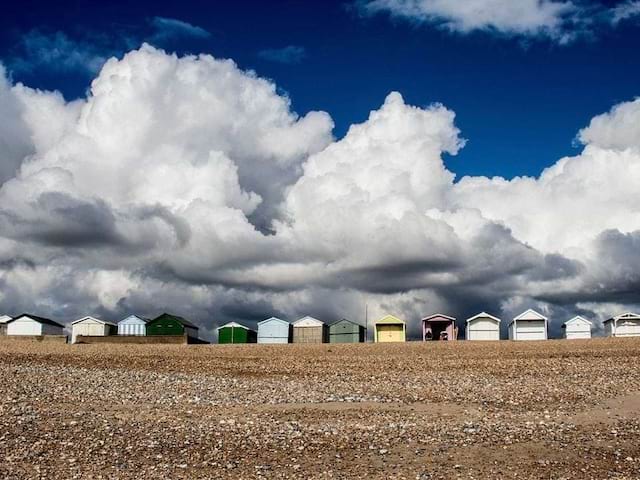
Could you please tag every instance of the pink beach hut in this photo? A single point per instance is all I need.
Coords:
(439, 327)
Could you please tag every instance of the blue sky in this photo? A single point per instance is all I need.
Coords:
(519, 100)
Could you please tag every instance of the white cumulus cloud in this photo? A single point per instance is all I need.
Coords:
(186, 183)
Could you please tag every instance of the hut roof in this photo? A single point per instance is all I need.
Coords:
(89, 317)
(575, 319)
(38, 319)
(483, 315)
(437, 316)
(389, 319)
(232, 324)
(181, 320)
(346, 320)
(143, 319)
(626, 315)
(308, 322)
(529, 314)
(273, 319)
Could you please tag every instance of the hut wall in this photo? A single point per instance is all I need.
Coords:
(483, 329)
(346, 332)
(386, 333)
(274, 332)
(530, 330)
(165, 326)
(628, 328)
(25, 326)
(309, 334)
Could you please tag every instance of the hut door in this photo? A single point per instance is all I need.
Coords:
(390, 333)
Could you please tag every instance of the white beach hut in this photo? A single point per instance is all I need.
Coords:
(27, 324)
(483, 327)
(529, 325)
(91, 327)
(623, 325)
(577, 327)
(133, 325)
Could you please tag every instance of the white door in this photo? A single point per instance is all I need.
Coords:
(628, 328)
(578, 334)
(530, 330)
(484, 335)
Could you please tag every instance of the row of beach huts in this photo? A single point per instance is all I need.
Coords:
(529, 325)
(163, 325)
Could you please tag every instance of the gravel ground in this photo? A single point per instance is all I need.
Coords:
(552, 410)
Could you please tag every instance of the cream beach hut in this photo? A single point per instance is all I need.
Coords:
(92, 327)
(529, 325)
(482, 326)
(623, 325)
(577, 327)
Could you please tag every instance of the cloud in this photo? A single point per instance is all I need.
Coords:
(617, 130)
(187, 183)
(561, 21)
(57, 52)
(166, 28)
(86, 51)
(15, 141)
(625, 11)
(290, 54)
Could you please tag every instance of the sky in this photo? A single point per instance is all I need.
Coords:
(240, 160)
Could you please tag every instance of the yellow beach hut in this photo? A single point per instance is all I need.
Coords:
(390, 329)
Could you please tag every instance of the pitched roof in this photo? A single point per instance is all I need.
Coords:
(308, 322)
(273, 319)
(438, 315)
(4, 318)
(483, 315)
(143, 319)
(183, 321)
(234, 325)
(46, 321)
(89, 317)
(575, 319)
(346, 320)
(529, 314)
(629, 315)
(389, 319)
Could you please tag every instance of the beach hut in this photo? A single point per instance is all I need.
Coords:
(390, 329)
(529, 325)
(577, 327)
(310, 330)
(482, 327)
(133, 325)
(3, 324)
(439, 327)
(27, 324)
(92, 327)
(274, 330)
(623, 325)
(346, 331)
(167, 324)
(233, 332)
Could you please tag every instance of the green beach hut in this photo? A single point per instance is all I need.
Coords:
(167, 324)
(233, 332)
(346, 331)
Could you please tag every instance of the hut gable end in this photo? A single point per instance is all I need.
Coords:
(308, 322)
